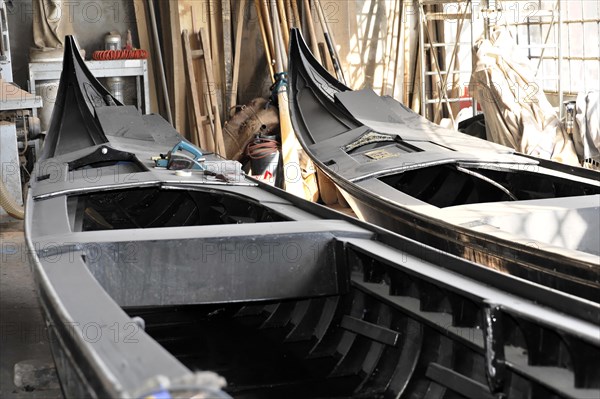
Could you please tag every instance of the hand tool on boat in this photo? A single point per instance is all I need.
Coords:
(176, 159)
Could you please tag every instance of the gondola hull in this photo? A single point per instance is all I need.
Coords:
(157, 284)
(524, 216)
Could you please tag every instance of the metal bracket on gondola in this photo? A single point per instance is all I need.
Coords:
(101, 155)
(494, 348)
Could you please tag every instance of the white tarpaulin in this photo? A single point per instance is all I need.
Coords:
(587, 126)
(517, 113)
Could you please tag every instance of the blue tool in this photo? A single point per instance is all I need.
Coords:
(176, 159)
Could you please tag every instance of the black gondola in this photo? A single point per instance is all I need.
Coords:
(528, 217)
(156, 283)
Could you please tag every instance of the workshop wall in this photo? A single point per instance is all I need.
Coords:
(373, 49)
(92, 20)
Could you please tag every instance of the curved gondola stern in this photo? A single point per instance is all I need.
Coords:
(315, 114)
(300, 52)
(74, 125)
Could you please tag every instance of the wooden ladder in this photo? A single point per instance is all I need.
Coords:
(210, 138)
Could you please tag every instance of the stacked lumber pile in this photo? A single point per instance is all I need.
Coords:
(197, 58)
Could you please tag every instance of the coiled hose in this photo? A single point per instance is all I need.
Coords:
(262, 147)
(109, 55)
(8, 203)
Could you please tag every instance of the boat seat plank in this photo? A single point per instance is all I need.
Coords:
(213, 264)
(556, 378)
(411, 306)
(457, 382)
(370, 330)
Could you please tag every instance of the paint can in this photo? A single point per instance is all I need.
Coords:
(48, 90)
(116, 86)
(112, 41)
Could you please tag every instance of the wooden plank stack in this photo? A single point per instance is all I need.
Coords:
(202, 44)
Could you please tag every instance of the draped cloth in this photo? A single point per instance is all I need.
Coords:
(517, 112)
(587, 126)
(51, 23)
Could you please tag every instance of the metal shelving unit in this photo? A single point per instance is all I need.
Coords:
(5, 57)
(39, 71)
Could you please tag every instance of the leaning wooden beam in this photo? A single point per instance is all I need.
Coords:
(216, 49)
(262, 7)
(207, 119)
(293, 182)
(238, 52)
(283, 21)
(212, 97)
(197, 128)
(278, 37)
(296, 13)
(161, 66)
(292, 22)
(389, 43)
(171, 32)
(314, 47)
(401, 62)
(409, 75)
(227, 56)
(141, 19)
(335, 58)
(263, 33)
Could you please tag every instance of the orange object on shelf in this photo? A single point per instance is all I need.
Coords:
(109, 55)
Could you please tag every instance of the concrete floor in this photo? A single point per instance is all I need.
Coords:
(23, 336)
